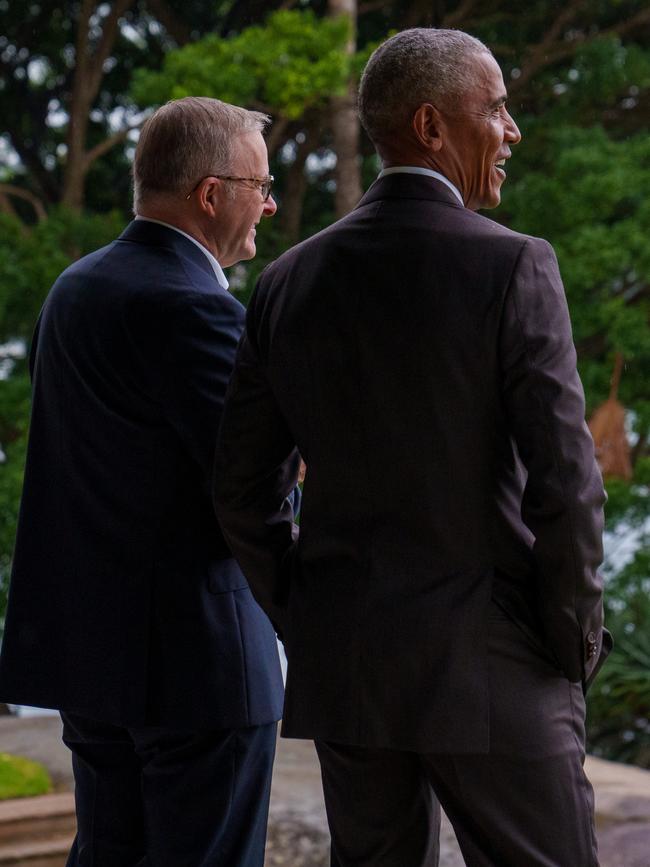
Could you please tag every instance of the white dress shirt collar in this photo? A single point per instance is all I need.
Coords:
(421, 170)
(216, 267)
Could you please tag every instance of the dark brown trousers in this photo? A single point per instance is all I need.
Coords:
(527, 803)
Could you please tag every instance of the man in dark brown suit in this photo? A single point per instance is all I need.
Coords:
(441, 609)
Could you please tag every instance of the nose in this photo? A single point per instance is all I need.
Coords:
(270, 207)
(512, 134)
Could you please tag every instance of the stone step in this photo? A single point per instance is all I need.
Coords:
(26, 821)
(39, 853)
(622, 793)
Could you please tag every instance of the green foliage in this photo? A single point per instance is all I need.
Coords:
(619, 708)
(32, 259)
(293, 62)
(20, 777)
(627, 503)
(618, 716)
(585, 193)
(602, 70)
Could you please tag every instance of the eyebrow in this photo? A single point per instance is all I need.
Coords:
(499, 102)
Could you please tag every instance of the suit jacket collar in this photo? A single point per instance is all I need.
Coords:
(155, 235)
(407, 186)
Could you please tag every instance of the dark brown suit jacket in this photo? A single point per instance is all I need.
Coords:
(420, 358)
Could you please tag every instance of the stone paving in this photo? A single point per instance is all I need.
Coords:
(298, 828)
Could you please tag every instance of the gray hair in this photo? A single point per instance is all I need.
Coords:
(415, 66)
(187, 139)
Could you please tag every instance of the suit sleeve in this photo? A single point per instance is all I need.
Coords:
(563, 498)
(255, 475)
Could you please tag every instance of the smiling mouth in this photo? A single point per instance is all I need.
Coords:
(500, 165)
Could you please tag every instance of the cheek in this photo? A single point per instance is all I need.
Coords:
(491, 152)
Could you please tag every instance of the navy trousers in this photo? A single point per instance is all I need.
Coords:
(157, 797)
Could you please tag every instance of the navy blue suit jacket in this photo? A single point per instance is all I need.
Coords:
(125, 603)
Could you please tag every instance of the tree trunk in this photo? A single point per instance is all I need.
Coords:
(177, 29)
(78, 106)
(276, 136)
(296, 185)
(75, 168)
(88, 76)
(294, 193)
(345, 125)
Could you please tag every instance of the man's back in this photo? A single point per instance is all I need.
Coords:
(393, 316)
(388, 344)
(131, 359)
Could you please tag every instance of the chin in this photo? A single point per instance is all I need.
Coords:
(246, 253)
(492, 200)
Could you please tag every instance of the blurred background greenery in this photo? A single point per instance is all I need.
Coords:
(77, 79)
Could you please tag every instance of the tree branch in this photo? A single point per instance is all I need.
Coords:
(23, 119)
(106, 145)
(20, 193)
(546, 53)
(30, 158)
(542, 54)
(81, 44)
(624, 27)
(371, 6)
(5, 205)
(109, 32)
(177, 29)
(420, 12)
(460, 14)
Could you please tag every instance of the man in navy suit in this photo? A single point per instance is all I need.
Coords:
(126, 609)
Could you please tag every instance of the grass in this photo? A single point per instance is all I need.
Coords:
(20, 778)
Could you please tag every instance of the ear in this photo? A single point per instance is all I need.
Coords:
(427, 126)
(208, 194)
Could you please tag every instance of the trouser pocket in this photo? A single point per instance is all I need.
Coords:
(498, 612)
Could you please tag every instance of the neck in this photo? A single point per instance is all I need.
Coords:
(423, 162)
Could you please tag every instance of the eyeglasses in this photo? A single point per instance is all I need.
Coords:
(263, 184)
